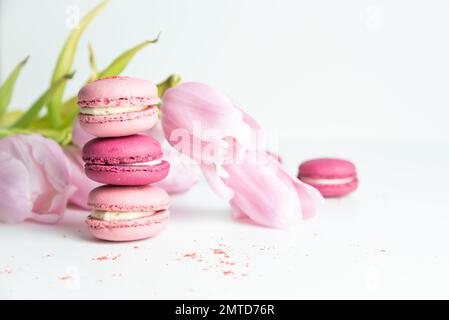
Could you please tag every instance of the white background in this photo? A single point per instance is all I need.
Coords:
(363, 80)
(361, 69)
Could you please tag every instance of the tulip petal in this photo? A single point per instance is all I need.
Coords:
(78, 178)
(260, 193)
(44, 178)
(15, 201)
(183, 172)
(55, 187)
(311, 199)
(267, 194)
(237, 213)
(180, 179)
(255, 126)
(215, 182)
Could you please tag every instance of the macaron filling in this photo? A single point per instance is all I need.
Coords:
(107, 215)
(145, 163)
(104, 111)
(336, 181)
(119, 215)
(122, 115)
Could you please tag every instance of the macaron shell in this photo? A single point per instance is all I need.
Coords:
(130, 198)
(336, 190)
(120, 124)
(127, 175)
(129, 230)
(327, 168)
(129, 149)
(118, 91)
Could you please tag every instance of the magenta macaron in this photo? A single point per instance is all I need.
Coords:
(118, 106)
(130, 160)
(332, 177)
(127, 213)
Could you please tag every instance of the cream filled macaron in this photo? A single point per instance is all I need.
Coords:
(332, 177)
(131, 160)
(126, 213)
(118, 106)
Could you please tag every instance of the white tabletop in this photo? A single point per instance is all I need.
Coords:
(389, 239)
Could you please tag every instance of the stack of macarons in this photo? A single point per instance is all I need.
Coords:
(127, 207)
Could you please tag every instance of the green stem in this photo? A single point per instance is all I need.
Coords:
(10, 132)
(63, 137)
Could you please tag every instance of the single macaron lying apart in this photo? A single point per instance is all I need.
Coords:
(127, 213)
(130, 160)
(332, 177)
(118, 106)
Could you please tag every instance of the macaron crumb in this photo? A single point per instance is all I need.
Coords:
(219, 259)
(100, 258)
(105, 258)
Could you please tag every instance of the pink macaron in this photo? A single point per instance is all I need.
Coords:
(118, 106)
(127, 213)
(332, 177)
(130, 160)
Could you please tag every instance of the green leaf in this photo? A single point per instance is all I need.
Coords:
(65, 60)
(34, 110)
(120, 63)
(93, 64)
(170, 82)
(7, 87)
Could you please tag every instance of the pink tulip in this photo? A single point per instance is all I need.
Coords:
(78, 178)
(35, 179)
(204, 124)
